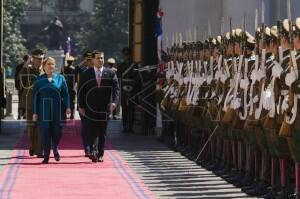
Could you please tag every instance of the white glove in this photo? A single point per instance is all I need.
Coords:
(244, 84)
(218, 75)
(277, 69)
(212, 95)
(237, 103)
(254, 75)
(220, 99)
(201, 80)
(260, 74)
(180, 81)
(209, 79)
(290, 78)
(267, 104)
(206, 95)
(223, 78)
(255, 99)
(285, 103)
(185, 80)
(168, 75)
(194, 80)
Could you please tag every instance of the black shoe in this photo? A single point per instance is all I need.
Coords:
(31, 152)
(86, 153)
(246, 181)
(45, 161)
(57, 156)
(271, 194)
(40, 156)
(259, 190)
(93, 157)
(283, 194)
(100, 159)
(294, 196)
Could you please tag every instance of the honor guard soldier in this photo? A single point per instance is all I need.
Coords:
(28, 75)
(292, 116)
(112, 65)
(68, 72)
(129, 84)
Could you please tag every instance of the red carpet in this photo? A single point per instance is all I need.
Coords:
(74, 177)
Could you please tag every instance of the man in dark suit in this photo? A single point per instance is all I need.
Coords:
(98, 97)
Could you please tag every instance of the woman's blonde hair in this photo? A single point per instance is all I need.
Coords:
(48, 59)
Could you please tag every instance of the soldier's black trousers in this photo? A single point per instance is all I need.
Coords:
(128, 116)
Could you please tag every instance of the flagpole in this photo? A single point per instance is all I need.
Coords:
(1, 56)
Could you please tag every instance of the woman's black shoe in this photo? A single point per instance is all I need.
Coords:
(45, 161)
(31, 152)
(57, 157)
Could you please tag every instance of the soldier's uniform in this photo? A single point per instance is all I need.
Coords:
(112, 65)
(28, 75)
(69, 73)
(130, 84)
(294, 137)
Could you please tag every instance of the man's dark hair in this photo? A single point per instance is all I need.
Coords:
(25, 58)
(37, 52)
(96, 52)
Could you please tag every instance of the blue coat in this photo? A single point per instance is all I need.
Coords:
(48, 97)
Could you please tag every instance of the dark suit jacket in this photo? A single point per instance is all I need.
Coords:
(96, 100)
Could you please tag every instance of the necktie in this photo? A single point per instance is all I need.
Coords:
(99, 77)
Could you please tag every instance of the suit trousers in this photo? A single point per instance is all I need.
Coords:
(85, 135)
(50, 134)
(97, 135)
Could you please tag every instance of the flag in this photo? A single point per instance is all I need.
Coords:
(159, 32)
(159, 35)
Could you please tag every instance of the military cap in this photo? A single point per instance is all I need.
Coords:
(219, 40)
(38, 53)
(227, 36)
(111, 61)
(214, 42)
(297, 26)
(285, 27)
(274, 31)
(70, 58)
(238, 34)
(250, 38)
(250, 41)
(88, 55)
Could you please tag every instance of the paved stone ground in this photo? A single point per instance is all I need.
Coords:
(11, 131)
(167, 173)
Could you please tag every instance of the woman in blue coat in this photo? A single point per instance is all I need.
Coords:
(49, 91)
